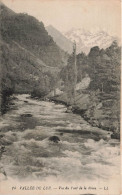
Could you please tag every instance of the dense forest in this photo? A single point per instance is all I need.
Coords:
(103, 68)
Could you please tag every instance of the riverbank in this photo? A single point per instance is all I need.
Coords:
(97, 119)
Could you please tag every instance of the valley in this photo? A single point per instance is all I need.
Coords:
(59, 103)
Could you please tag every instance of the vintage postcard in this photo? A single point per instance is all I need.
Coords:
(60, 70)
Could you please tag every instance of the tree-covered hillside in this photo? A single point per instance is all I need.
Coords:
(30, 59)
(103, 68)
(31, 34)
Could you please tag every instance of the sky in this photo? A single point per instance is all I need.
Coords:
(91, 15)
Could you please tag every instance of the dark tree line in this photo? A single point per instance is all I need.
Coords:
(103, 68)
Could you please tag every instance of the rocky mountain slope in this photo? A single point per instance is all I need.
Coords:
(60, 39)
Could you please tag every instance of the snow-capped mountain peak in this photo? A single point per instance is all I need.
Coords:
(85, 40)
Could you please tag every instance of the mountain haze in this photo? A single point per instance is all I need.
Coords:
(60, 39)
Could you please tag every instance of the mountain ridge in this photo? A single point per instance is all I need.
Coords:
(60, 39)
(30, 33)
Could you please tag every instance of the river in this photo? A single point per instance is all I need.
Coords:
(83, 152)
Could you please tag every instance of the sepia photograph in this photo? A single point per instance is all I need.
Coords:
(60, 81)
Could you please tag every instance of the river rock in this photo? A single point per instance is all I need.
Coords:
(54, 139)
(26, 115)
